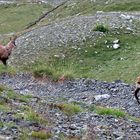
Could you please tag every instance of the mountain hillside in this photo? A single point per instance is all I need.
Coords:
(72, 73)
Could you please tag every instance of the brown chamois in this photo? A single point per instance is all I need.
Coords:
(137, 89)
(5, 51)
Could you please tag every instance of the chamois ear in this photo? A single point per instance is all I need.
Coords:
(10, 38)
(13, 38)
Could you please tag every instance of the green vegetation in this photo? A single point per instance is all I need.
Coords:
(31, 115)
(41, 135)
(12, 95)
(101, 28)
(89, 7)
(10, 70)
(53, 71)
(2, 88)
(4, 107)
(93, 59)
(1, 124)
(15, 17)
(18, 105)
(69, 109)
(27, 113)
(133, 118)
(24, 134)
(110, 111)
(107, 111)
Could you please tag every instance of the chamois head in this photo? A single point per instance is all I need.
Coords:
(137, 89)
(11, 44)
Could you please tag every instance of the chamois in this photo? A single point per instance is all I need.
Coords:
(5, 51)
(137, 89)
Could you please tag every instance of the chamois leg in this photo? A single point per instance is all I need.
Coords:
(4, 62)
(136, 94)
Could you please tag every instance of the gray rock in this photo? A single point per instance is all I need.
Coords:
(100, 97)
(116, 46)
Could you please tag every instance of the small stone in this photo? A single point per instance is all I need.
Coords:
(116, 41)
(116, 46)
(80, 61)
(129, 29)
(99, 12)
(106, 41)
(126, 17)
(118, 135)
(2, 137)
(56, 56)
(100, 97)
(73, 127)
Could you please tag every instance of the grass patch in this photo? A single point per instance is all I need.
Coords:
(31, 115)
(101, 28)
(81, 7)
(107, 111)
(10, 70)
(15, 96)
(41, 72)
(41, 135)
(93, 60)
(69, 109)
(53, 70)
(135, 119)
(14, 18)
(110, 111)
(4, 108)
(123, 6)
(1, 124)
(2, 88)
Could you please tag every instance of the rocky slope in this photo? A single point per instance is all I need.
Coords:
(32, 101)
(72, 31)
(84, 92)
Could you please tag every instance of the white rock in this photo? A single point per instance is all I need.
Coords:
(80, 61)
(99, 12)
(127, 17)
(116, 41)
(4, 137)
(106, 42)
(56, 56)
(99, 97)
(116, 46)
(129, 29)
(74, 47)
(63, 56)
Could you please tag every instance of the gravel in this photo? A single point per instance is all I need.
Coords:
(69, 32)
(84, 92)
